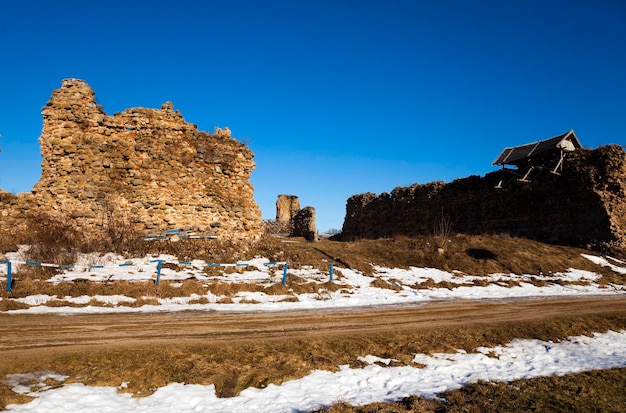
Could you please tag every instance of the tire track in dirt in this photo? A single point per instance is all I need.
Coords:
(26, 333)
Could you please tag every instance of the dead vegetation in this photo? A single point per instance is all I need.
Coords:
(257, 363)
(473, 255)
(234, 366)
(594, 391)
(54, 241)
(479, 255)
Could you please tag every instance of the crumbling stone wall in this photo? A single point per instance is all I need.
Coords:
(585, 205)
(287, 206)
(303, 224)
(292, 220)
(148, 167)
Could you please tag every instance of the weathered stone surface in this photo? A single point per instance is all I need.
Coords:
(303, 224)
(148, 167)
(287, 206)
(292, 220)
(585, 205)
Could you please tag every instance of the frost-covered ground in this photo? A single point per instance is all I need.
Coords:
(375, 382)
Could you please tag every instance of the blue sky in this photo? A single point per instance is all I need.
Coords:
(334, 97)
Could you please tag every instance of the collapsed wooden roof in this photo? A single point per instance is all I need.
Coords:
(567, 142)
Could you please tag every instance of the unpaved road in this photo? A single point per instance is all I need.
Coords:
(26, 334)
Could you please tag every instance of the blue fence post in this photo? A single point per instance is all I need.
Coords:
(285, 274)
(331, 272)
(159, 264)
(9, 281)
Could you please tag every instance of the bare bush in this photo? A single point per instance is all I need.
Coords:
(53, 240)
(442, 230)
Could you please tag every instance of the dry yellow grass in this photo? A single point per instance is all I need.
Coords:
(232, 367)
(595, 391)
(470, 255)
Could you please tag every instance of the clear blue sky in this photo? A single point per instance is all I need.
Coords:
(334, 97)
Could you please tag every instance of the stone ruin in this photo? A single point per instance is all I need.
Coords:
(287, 207)
(298, 222)
(584, 205)
(304, 224)
(148, 168)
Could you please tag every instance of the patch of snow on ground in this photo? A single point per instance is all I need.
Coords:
(356, 288)
(430, 375)
(439, 372)
(604, 262)
(24, 383)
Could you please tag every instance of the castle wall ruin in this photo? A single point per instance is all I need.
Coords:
(291, 219)
(303, 224)
(584, 206)
(146, 167)
(287, 206)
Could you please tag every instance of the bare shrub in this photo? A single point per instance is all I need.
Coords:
(442, 230)
(8, 242)
(51, 239)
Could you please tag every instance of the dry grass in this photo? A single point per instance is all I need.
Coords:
(26, 285)
(53, 242)
(595, 391)
(380, 283)
(235, 367)
(169, 289)
(146, 292)
(473, 255)
(430, 283)
(7, 305)
(232, 367)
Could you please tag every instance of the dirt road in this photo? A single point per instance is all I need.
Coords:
(26, 333)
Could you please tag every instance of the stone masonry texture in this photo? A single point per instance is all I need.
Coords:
(303, 224)
(584, 206)
(287, 206)
(146, 167)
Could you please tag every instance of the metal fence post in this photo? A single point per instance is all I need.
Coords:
(9, 280)
(331, 272)
(159, 264)
(285, 274)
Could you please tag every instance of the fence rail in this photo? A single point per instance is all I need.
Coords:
(159, 265)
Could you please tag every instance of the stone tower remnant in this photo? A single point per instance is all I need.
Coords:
(304, 224)
(287, 206)
(147, 167)
(290, 218)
